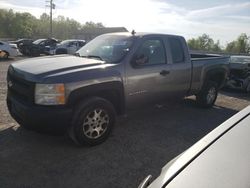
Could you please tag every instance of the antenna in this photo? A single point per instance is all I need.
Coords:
(133, 32)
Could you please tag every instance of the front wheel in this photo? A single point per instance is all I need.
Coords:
(92, 122)
(208, 95)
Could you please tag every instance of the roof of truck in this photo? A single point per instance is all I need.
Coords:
(141, 34)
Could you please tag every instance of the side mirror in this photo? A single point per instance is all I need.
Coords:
(140, 60)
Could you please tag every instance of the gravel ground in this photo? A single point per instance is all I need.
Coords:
(141, 144)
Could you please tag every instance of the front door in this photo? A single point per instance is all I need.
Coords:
(148, 74)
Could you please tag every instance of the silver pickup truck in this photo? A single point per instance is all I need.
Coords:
(83, 94)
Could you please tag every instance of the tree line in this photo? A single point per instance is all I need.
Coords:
(24, 25)
(205, 43)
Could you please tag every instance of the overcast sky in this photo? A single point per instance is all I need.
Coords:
(223, 20)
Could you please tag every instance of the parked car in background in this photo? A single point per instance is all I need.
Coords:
(239, 73)
(8, 50)
(69, 46)
(221, 159)
(39, 46)
(110, 74)
(22, 42)
(2, 54)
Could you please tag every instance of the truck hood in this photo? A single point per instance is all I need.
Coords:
(45, 68)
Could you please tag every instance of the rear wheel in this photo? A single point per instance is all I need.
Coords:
(208, 95)
(92, 122)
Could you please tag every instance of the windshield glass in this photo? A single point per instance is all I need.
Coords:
(240, 59)
(38, 41)
(109, 48)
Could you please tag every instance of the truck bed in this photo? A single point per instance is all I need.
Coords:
(205, 56)
(203, 63)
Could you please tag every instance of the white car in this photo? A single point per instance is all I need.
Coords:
(9, 49)
(69, 46)
(219, 160)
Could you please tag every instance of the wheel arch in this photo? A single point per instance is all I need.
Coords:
(6, 52)
(111, 91)
(216, 75)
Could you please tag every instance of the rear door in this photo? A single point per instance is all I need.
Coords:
(181, 67)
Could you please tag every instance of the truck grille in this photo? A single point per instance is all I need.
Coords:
(20, 89)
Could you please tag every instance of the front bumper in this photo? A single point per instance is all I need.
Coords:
(40, 117)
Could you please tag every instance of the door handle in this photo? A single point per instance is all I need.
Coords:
(164, 72)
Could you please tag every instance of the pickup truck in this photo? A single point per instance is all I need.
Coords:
(83, 94)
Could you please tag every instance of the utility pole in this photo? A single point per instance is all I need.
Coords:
(51, 6)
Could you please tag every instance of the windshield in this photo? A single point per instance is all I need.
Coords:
(240, 59)
(109, 48)
(38, 41)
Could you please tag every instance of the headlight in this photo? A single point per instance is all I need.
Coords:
(49, 94)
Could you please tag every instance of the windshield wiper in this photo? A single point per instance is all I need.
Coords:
(93, 56)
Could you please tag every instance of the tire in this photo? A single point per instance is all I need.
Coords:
(208, 95)
(92, 122)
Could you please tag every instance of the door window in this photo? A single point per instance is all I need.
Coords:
(151, 52)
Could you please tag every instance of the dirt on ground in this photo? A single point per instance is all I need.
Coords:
(141, 144)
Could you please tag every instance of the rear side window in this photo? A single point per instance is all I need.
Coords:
(176, 50)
